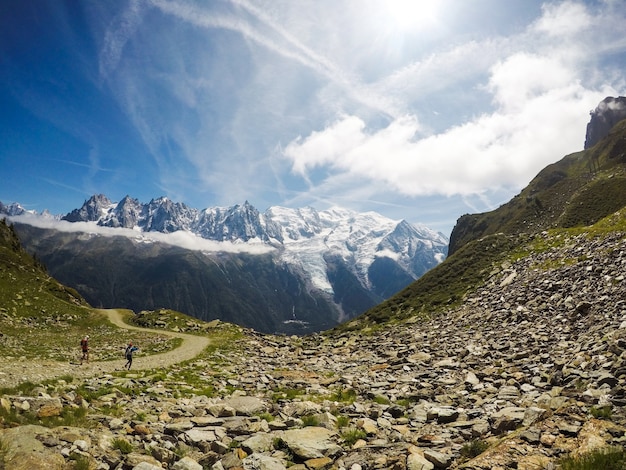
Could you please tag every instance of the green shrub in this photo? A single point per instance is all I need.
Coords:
(611, 458)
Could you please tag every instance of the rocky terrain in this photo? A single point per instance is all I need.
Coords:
(530, 368)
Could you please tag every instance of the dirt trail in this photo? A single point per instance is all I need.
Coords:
(36, 371)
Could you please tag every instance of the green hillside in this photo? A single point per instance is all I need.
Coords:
(41, 318)
(578, 190)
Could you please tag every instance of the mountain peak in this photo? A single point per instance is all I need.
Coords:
(92, 209)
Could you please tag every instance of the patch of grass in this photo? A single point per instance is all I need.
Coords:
(612, 458)
(75, 417)
(122, 445)
(352, 435)
(404, 402)
(69, 416)
(23, 389)
(342, 421)
(310, 420)
(474, 449)
(267, 417)
(287, 394)
(112, 410)
(601, 412)
(344, 395)
(81, 462)
(381, 400)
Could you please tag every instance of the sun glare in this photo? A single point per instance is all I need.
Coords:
(412, 14)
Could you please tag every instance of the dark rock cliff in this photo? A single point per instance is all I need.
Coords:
(609, 112)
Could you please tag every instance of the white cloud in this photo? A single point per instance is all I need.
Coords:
(503, 149)
(180, 238)
(563, 19)
(540, 110)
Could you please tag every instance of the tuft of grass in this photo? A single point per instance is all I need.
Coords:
(474, 449)
(352, 435)
(287, 394)
(310, 420)
(344, 395)
(342, 421)
(612, 458)
(601, 412)
(381, 400)
(267, 417)
(81, 462)
(122, 445)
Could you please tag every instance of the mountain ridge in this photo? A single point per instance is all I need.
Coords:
(342, 261)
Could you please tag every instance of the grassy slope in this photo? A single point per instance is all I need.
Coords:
(41, 318)
(578, 190)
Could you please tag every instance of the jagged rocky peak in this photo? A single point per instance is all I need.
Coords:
(12, 209)
(92, 209)
(609, 112)
(165, 215)
(127, 213)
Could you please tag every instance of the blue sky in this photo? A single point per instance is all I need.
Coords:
(418, 110)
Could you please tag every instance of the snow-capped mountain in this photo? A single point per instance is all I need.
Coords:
(337, 261)
(306, 237)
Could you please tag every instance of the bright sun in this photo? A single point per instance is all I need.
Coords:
(412, 14)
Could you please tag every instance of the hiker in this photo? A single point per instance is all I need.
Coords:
(84, 346)
(130, 349)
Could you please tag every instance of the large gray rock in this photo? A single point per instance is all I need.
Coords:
(311, 442)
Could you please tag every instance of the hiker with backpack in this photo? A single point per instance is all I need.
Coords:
(84, 346)
(130, 349)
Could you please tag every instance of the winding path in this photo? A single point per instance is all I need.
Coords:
(37, 371)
